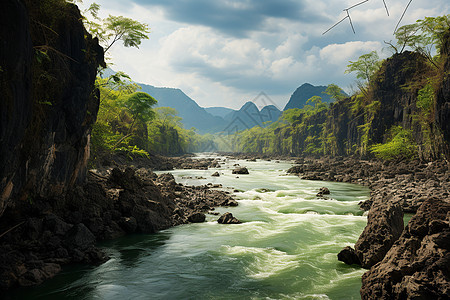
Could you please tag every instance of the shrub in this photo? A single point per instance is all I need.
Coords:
(400, 145)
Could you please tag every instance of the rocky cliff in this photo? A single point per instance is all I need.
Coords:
(417, 265)
(406, 94)
(48, 65)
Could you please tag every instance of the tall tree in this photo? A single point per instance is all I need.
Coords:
(365, 66)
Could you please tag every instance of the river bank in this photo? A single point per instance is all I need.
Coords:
(285, 246)
(403, 262)
(115, 202)
(39, 236)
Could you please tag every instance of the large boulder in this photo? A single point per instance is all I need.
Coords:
(418, 265)
(384, 227)
(80, 237)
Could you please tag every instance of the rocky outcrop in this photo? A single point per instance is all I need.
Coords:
(48, 67)
(348, 255)
(384, 227)
(64, 230)
(442, 108)
(417, 265)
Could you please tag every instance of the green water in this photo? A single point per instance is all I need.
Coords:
(285, 249)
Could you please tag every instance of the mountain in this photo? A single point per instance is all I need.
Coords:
(219, 111)
(304, 92)
(193, 115)
(249, 116)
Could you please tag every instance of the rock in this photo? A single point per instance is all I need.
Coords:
(323, 191)
(45, 148)
(38, 275)
(348, 256)
(227, 218)
(384, 227)
(417, 266)
(216, 174)
(229, 202)
(197, 217)
(56, 225)
(79, 236)
(242, 170)
(129, 224)
(295, 170)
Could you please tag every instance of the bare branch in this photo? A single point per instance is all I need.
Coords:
(401, 18)
(335, 25)
(387, 11)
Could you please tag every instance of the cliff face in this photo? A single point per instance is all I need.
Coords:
(48, 66)
(442, 109)
(352, 125)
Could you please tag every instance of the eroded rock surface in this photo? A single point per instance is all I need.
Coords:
(418, 265)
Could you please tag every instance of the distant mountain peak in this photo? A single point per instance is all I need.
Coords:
(304, 92)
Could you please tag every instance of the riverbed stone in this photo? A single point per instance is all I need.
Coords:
(228, 218)
(242, 171)
(197, 217)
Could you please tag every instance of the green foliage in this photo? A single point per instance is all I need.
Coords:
(140, 106)
(316, 100)
(425, 36)
(335, 92)
(399, 145)
(292, 115)
(425, 100)
(365, 66)
(114, 29)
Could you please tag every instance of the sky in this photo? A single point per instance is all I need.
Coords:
(227, 52)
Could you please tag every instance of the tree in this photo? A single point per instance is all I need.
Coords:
(292, 115)
(316, 100)
(335, 92)
(365, 66)
(140, 106)
(425, 36)
(168, 116)
(115, 28)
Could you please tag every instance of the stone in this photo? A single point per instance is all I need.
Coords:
(128, 224)
(228, 218)
(216, 174)
(242, 170)
(197, 217)
(384, 227)
(79, 236)
(417, 266)
(348, 256)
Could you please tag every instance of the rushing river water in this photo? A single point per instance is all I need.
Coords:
(285, 249)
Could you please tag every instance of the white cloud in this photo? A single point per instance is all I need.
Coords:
(218, 68)
(341, 53)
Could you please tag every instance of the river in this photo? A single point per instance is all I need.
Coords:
(286, 247)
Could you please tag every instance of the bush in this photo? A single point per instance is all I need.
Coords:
(400, 145)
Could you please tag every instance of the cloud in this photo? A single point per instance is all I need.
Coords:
(225, 52)
(341, 53)
(233, 17)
